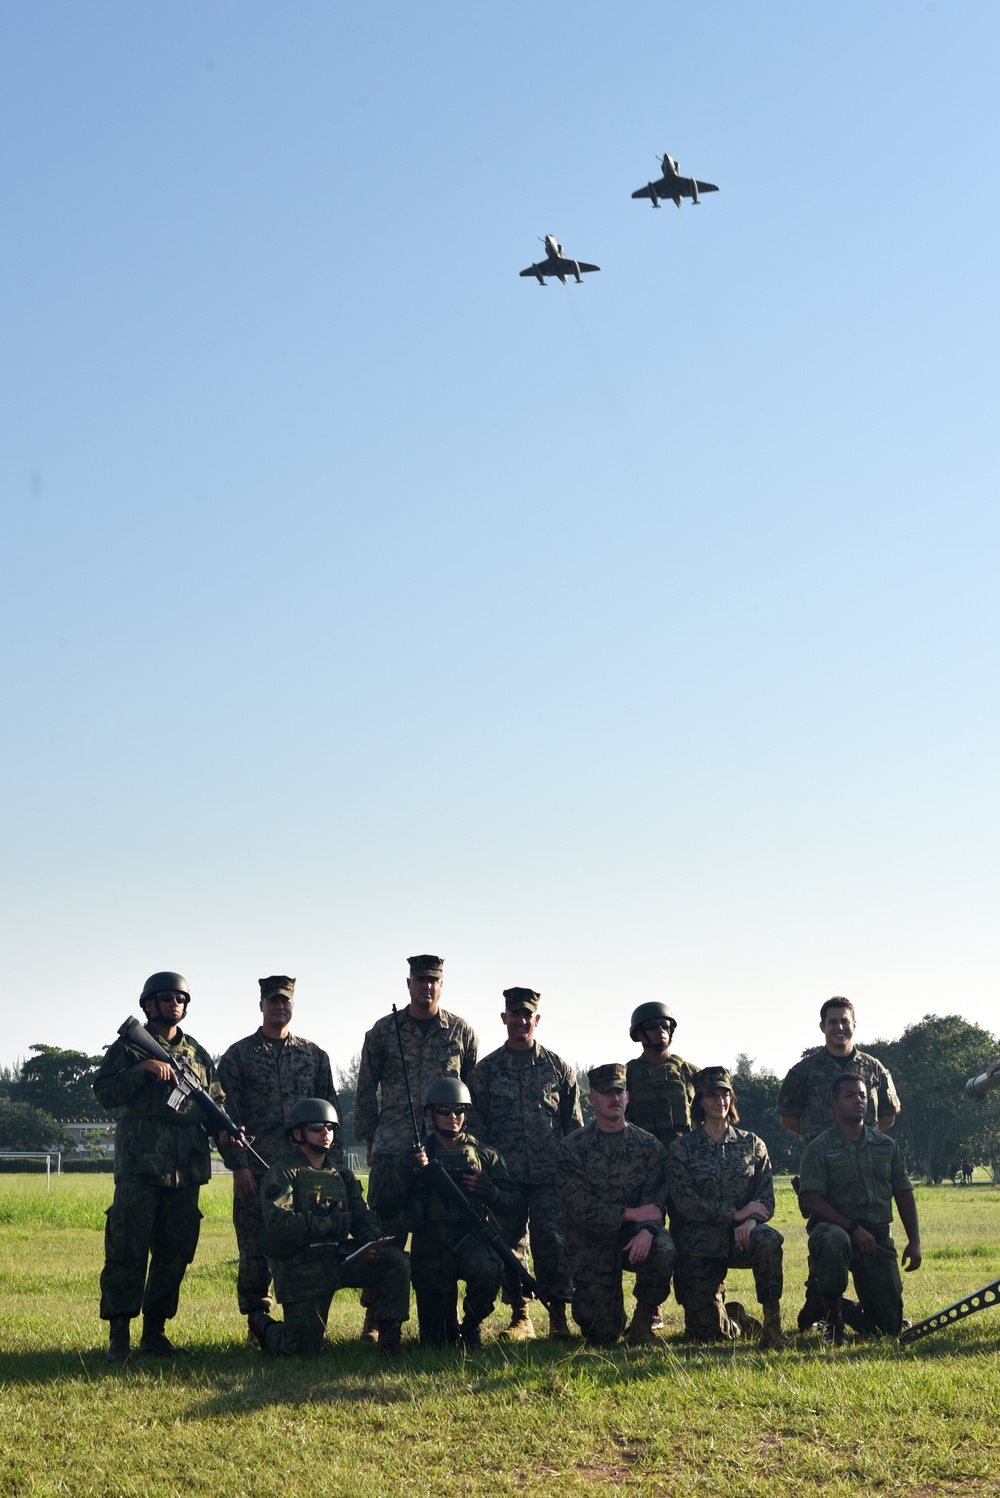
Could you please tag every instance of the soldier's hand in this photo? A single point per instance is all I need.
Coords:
(420, 1158)
(477, 1183)
(638, 1247)
(744, 1232)
(368, 1256)
(751, 1209)
(243, 1182)
(161, 1070)
(864, 1242)
(649, 1212)
(911, 1255)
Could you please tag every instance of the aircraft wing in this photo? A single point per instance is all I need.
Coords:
(706, 186)
(572, 265)
(659, 188)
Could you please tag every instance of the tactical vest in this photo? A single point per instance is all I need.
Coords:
(659, 1098)
(315, 1194)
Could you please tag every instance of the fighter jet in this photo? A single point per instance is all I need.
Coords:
(673, 185)
(556, 264)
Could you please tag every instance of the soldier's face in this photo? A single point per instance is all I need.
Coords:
(521, 1026)
(851, 1103)
(447, 1121)
(277, 1011)
(610, 1108)
(838, 1029)
(657, 1034)
(425, 993)
(167, 1008)
(715, 1104)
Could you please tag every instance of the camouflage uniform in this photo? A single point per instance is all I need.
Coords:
(263, 1078)
(805, 1092)
(660, 1095)
(709, 1182)
(304, 1204)
(161, 1160)
(600, 1174)
(859, 1178)
(438, 1262)
(448, 1048)
(526, 1102)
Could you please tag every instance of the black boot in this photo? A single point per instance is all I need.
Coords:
(833, 1330)
(472, 1337)
(155, 1341)
(257, 1325)
(120, 1342)
(815, 1306)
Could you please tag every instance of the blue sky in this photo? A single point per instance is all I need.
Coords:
(626, 640)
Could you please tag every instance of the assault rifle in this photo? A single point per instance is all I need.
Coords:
(979, 1300)
(188, 1085)
(476, 1218)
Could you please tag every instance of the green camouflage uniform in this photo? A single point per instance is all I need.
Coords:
(599, 1176)
(526, 1102)
(805, 1092)
(448, 1048)
(161, 1159)
(859, 1178)
(708, 1183)
(303, 1204)
(660, 1095)
(263, 1078)
(438, 1263)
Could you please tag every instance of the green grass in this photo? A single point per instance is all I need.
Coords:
(531, 1418)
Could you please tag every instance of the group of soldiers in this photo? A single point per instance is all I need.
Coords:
(661, 1183)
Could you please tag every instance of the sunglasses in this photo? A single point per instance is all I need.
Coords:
(450, 1112)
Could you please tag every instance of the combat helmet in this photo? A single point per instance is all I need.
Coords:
(311, 1110)
(645, 1012)
(447, 1090)
(165, 983)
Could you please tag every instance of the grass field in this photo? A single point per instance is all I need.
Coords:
(531, 1418)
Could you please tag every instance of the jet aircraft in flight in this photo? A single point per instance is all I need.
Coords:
(673, 185)
(556, 264)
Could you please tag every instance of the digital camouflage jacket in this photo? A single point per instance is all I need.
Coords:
(381, 1112)
(805, 1092)
(153, 1141)
(262, 1081)
(709, 1182)
(599, 1176)
(526, 1102)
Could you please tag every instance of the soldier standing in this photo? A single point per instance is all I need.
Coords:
(162, 1158)
(264, 1075)
(614, 1190)
(435, 1044)
(722, 1193)
(527, 1099)
(442, 1251)
(850, 1176)
(315, 1227)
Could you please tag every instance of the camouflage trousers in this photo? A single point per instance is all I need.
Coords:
(598, 1300)
(701, 1282)
(301, 1332)
(379, 1173)
(147, 1224)
(253, 1279)
(542, 1217)
(877, 1281)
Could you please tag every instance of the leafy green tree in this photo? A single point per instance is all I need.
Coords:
(930, 1064)
(757, 1096)
(10, 1076)
(23, 1127)
(59, 1082)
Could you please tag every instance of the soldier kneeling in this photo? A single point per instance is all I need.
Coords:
(315, 1221)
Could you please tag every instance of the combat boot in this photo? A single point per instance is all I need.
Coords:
(772, 1338)
(814, 1308)
(470, 1335)
(559, 1328)
(640, 1329)
(257, 1325)
(657, 1322)
(119, 1340)
(155, 1341)
(369, 1332)
(520, 1329)
(833, 1329)
(390, 1339)
(740, 1316)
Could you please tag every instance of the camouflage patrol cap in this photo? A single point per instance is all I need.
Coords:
(520, 998)
(426, 966)
(277, 986)
(610, 1078)
(711, 1077)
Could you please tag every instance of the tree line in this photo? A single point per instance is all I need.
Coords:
(930, 1062)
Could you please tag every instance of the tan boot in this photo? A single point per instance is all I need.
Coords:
(640, 1329)
(657, 1318)
(369, 1332)
(559, 1328)
(520, 1329)
(772, 1338)
(740, 1316)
